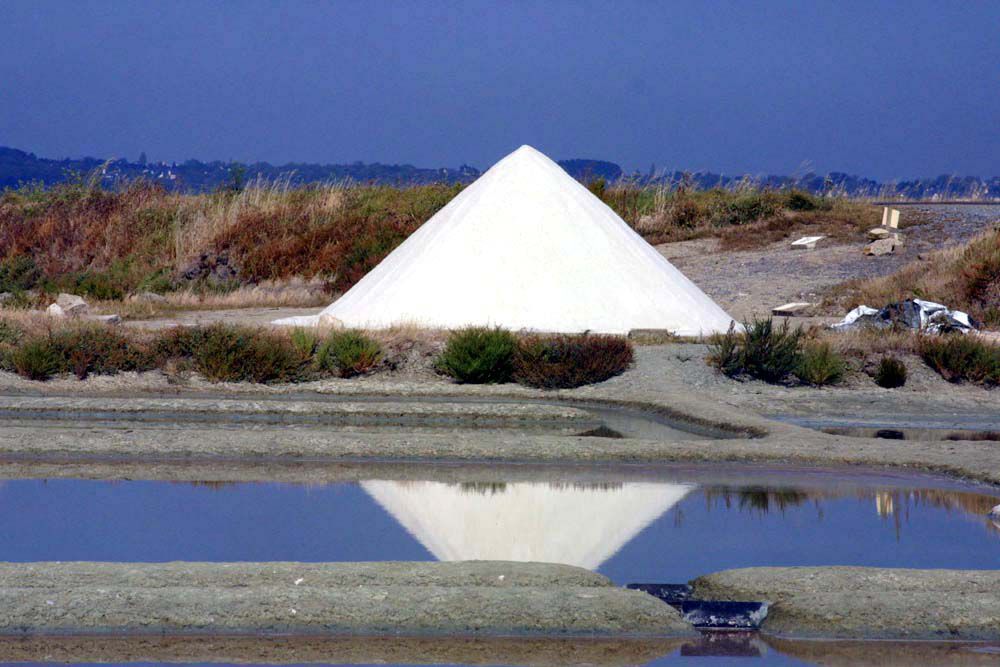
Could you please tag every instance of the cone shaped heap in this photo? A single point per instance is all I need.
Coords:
(521, 521)
(526, 247)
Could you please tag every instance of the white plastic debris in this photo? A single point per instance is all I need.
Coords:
(915, 314)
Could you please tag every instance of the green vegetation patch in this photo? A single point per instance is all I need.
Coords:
(348, 353)
(479, 355)
(962, 358)
(566, 361)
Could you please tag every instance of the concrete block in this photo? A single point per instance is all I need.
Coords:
(794, 309)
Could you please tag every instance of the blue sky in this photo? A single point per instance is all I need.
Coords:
(884, 89)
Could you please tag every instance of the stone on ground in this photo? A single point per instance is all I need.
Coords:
(877, 233)
(72, 305)
(881, 247)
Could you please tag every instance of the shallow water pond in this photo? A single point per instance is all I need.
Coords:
(666, 526)
(641, 523)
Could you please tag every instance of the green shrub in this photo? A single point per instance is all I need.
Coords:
(479, 355)
(770, 354)
(19, 273)
(820, 365)
(83, 350)
(797, 200)
(225, 353)
(36, 359)
(962, 358)
(348, 353)
(761, 351)
(725, 352)
(890, 373)
(752, 206)
(304, 341)
(99, 349)
(178, 342)
(554, 362)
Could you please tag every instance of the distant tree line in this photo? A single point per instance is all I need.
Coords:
(19, 168)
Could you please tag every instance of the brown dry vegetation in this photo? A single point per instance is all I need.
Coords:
(743, 219)
(107, 244)
(966, 278)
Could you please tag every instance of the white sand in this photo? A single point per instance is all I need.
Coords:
(526, 247)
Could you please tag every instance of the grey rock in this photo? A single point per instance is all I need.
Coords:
(877, 233)
(72, 305)
(106, 319)
(5, 297)
(880, 247)
(55, 310)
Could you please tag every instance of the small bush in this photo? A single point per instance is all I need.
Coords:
(761, 352)
(100, 350)
(348, 353)
(304, 341)
(224, 353)
(962, 358)
(820, 365)
(36, 359)
(890, 373)
(19, 273)
(554, 362)
(479, 355)
(798, 200)
(82, 350)
(725, 352)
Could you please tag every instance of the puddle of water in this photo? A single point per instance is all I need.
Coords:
(667, 529)
(925, 434)
(902, 428)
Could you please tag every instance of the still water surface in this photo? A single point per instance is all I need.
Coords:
(645, 530)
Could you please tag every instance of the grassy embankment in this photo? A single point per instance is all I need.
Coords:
(39, 348)
(965, 278)
(270, 245)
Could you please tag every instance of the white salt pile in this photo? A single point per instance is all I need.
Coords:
(526, 247)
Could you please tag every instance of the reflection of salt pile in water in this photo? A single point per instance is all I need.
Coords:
(526, 247)
(535, 522)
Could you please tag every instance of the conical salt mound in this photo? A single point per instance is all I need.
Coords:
(522, 521)
(526, 247)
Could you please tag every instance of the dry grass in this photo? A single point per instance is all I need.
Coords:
(105, 245)
(966, 278)
(743, 218)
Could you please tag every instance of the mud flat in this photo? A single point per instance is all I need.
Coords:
(866, 603)
(342, 650)
(73, 430)
(370, 599)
